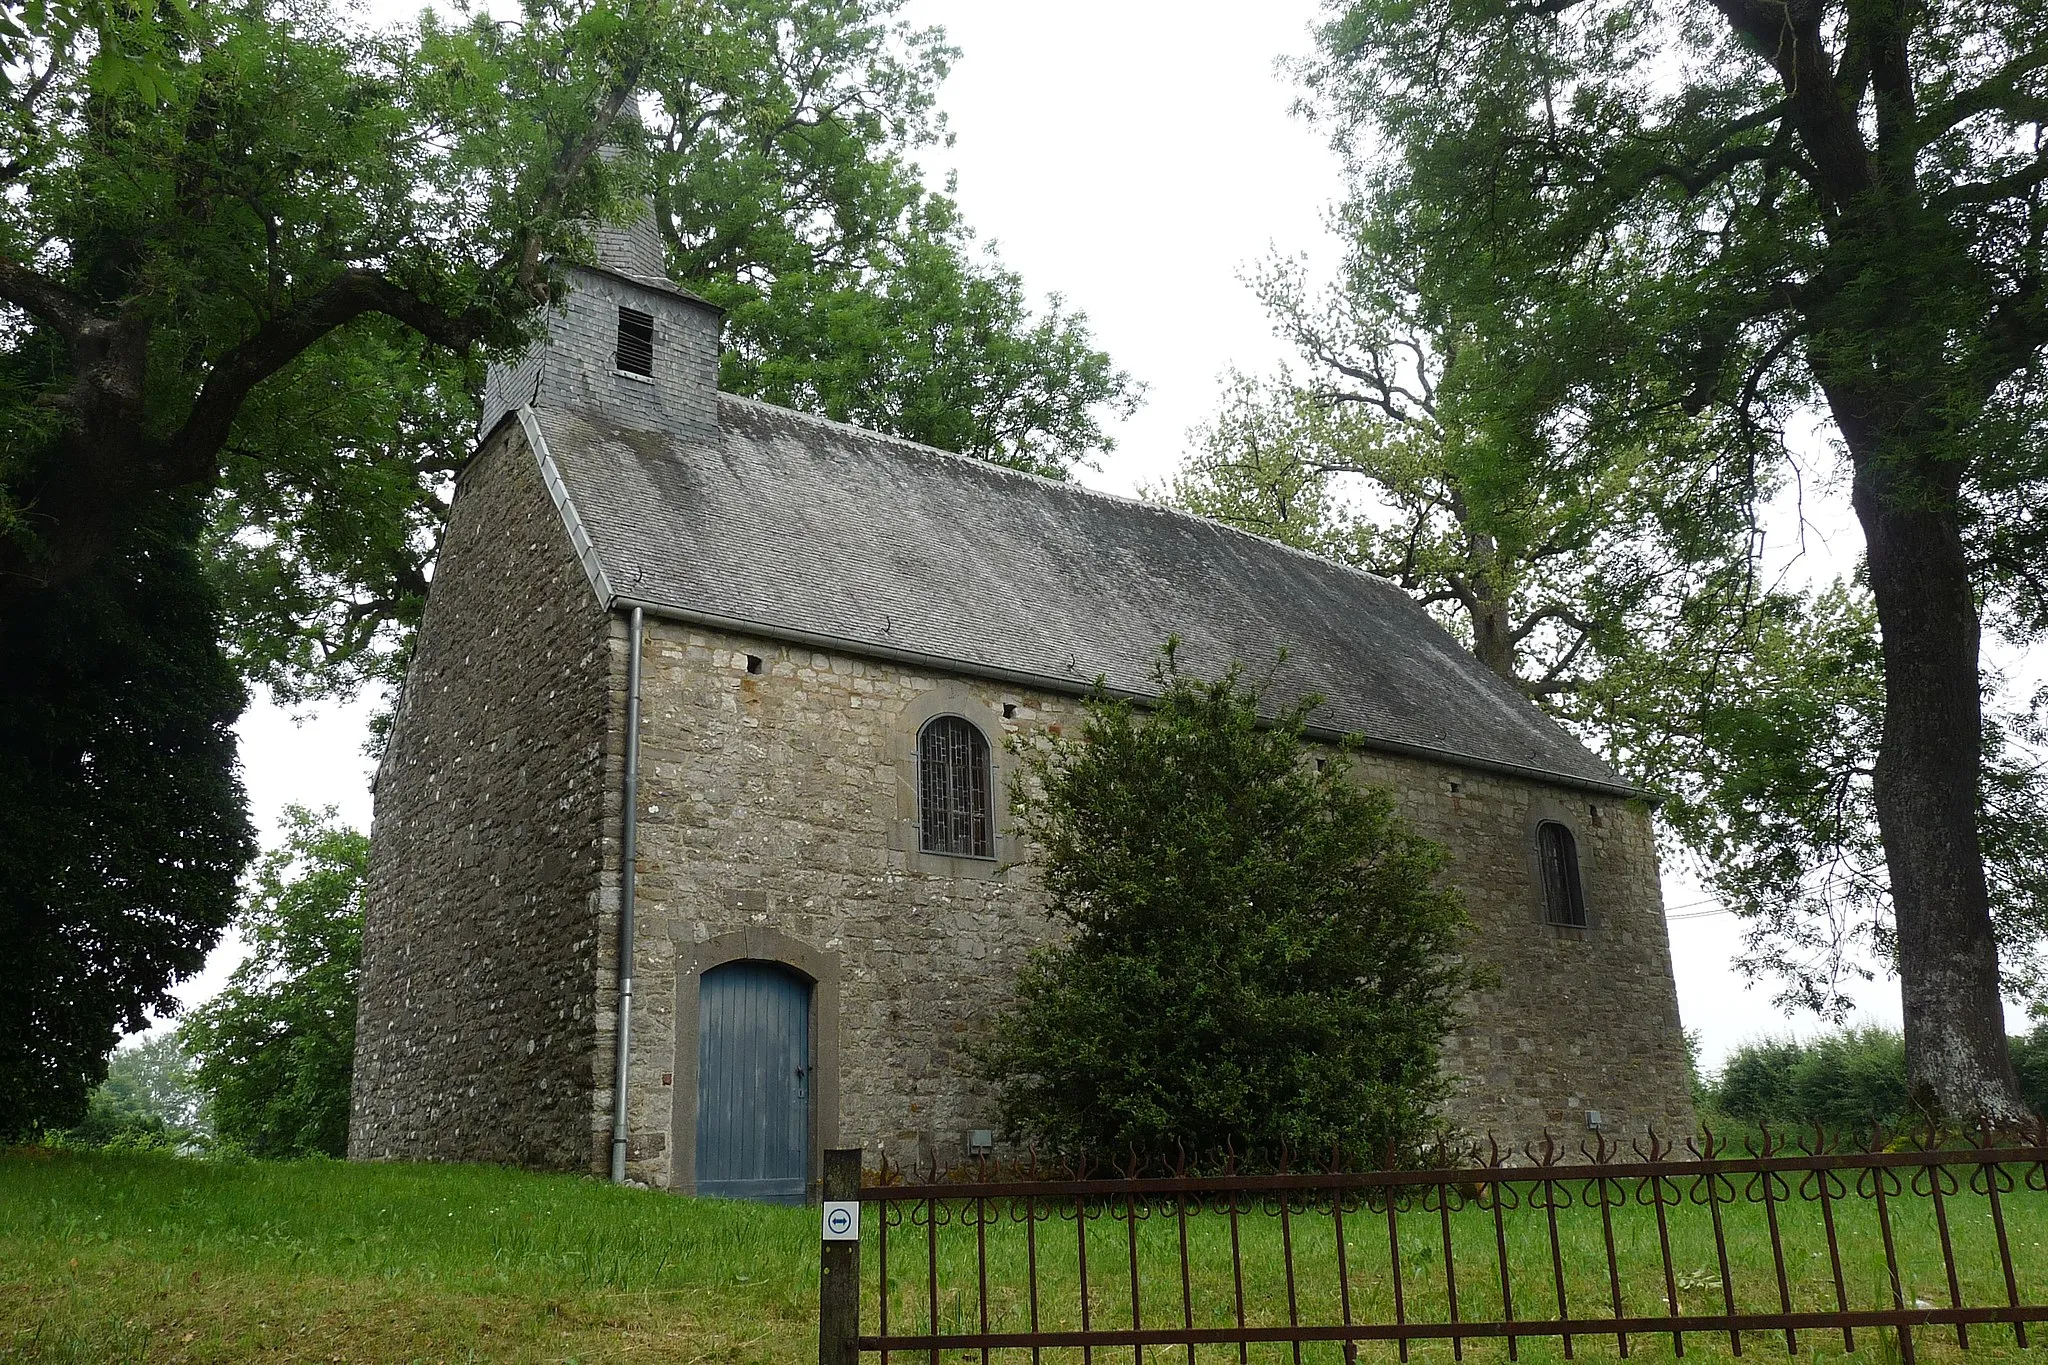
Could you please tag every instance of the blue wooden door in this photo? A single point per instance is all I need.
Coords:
(753, 1083)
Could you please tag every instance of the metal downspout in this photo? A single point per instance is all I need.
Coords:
(628, 854)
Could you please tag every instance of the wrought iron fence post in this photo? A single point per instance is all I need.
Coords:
(839, 1261)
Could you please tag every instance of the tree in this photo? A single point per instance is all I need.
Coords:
(1625, 596)
(258, 254)
(202, 200)
(275, 1050)
(170, 246)
(147, 1099)
(1739, 210)
(1258, 949)
(926, 342)
(122, 821)
(775, 147)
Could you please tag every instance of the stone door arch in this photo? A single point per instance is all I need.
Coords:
(820, 971)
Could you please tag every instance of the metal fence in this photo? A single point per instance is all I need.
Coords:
(1705, 1244)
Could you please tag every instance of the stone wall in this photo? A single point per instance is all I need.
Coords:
(778, 803)
(778, 820)
(1582, 1020)
(476, 1035)
(776, 808)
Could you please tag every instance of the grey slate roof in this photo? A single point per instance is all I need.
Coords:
(809, 528)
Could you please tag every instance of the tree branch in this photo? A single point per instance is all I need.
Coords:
(1787, 34)
(192, 454)
(568, 165)
(37, 293)
(1998, 92)
(1554, 612)
(2008, 186)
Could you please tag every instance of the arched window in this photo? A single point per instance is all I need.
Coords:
(955, 813)
(1557, 853)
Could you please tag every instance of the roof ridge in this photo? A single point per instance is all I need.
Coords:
(1126, 499)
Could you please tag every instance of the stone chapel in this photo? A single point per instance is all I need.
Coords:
(692, 855)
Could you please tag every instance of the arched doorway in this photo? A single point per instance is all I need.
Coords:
(753, 1083)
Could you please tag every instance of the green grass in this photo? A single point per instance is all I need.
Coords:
(137, 1257)
(1526, 1231)
(107, 1258)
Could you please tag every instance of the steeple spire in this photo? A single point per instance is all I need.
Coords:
(634, 248)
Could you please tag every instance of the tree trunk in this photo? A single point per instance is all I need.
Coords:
(1493, 632)
(1926, 784)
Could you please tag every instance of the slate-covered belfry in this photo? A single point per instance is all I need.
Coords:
(838, 632)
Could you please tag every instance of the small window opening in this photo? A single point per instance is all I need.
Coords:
(1009, 710)
(1564, 898)
(1321, 764)
(636, 341)
(1457, 787)
(955, 807)
(753, 663)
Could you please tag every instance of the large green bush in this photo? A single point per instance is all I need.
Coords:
(1755, 1085)
(1849, 1081)
(1259, 950)
(2030, 1061)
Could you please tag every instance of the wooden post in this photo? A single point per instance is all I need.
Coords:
(839, 1265)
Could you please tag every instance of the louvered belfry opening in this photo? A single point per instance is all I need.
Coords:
(636, 341)
(1564, 899)
(954, 808)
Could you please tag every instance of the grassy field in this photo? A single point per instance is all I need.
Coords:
(1526, 1231)
(130, 1258)
(107, 1258)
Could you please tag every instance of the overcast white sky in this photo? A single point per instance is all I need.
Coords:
(1135, 158)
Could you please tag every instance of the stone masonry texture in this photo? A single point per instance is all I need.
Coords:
(476, 1038)
(778, 800)
(776, 810)
(774, 800)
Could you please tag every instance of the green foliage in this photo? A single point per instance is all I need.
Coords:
(1695, 1077)
(304, 235)
(2030, 1062)
(1259, 950)
(1689, 231)
(927, 340)
(775, 148)
(281, 217)
(148, 1099)
(1755, 1085)
(122, 818)
(275, 1050)
(1593, 249)
(783, 186)
(1847, 1082)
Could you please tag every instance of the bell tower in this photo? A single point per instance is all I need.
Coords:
(623, 340)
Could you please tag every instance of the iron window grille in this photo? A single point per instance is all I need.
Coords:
(955, 813)
(636, 341)
(1564, 897)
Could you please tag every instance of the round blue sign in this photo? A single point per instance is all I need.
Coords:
(839, 1220)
